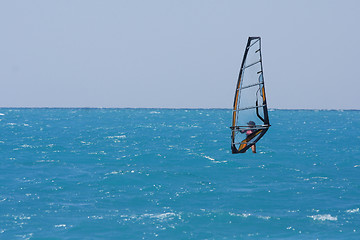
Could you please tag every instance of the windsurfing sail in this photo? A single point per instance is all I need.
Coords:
(250, 114)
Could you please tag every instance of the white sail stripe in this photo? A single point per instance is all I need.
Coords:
(252, 64)
(252, 85)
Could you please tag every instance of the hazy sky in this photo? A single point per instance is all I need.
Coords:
(184, 53)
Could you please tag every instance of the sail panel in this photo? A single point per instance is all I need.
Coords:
(250, 117)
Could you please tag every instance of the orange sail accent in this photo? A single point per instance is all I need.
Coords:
(244, 142)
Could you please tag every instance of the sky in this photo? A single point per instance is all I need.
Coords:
(176, 54)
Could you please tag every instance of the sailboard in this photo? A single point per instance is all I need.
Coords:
(250, 119)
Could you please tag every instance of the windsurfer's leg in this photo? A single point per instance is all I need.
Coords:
(253, 148)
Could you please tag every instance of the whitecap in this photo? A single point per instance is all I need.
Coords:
(210, 158)
(26, 146)
(97, 153)
(26, 236)
(120, 136)
(213, 159)
(22, 217)
(245, 215)
(160, 217)
(293, 211)
(96, 217)
(86, 143)
(353, 210)
(163, 216)
(60, 225)
(323, 217)
(321, 177)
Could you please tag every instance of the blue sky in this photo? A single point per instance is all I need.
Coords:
(176, 54)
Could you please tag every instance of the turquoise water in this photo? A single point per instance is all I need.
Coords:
(169, 174)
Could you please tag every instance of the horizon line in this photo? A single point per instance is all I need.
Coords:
(183, 108)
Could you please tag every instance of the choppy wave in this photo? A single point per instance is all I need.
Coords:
(170, 174)
(324, 217)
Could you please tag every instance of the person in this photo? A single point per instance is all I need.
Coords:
(248, 132)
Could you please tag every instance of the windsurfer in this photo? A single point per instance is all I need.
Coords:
(248, 132)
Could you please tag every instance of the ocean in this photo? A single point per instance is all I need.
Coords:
(169, 174)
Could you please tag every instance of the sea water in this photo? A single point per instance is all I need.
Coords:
(170, 174)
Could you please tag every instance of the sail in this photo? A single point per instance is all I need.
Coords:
(250, 115)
